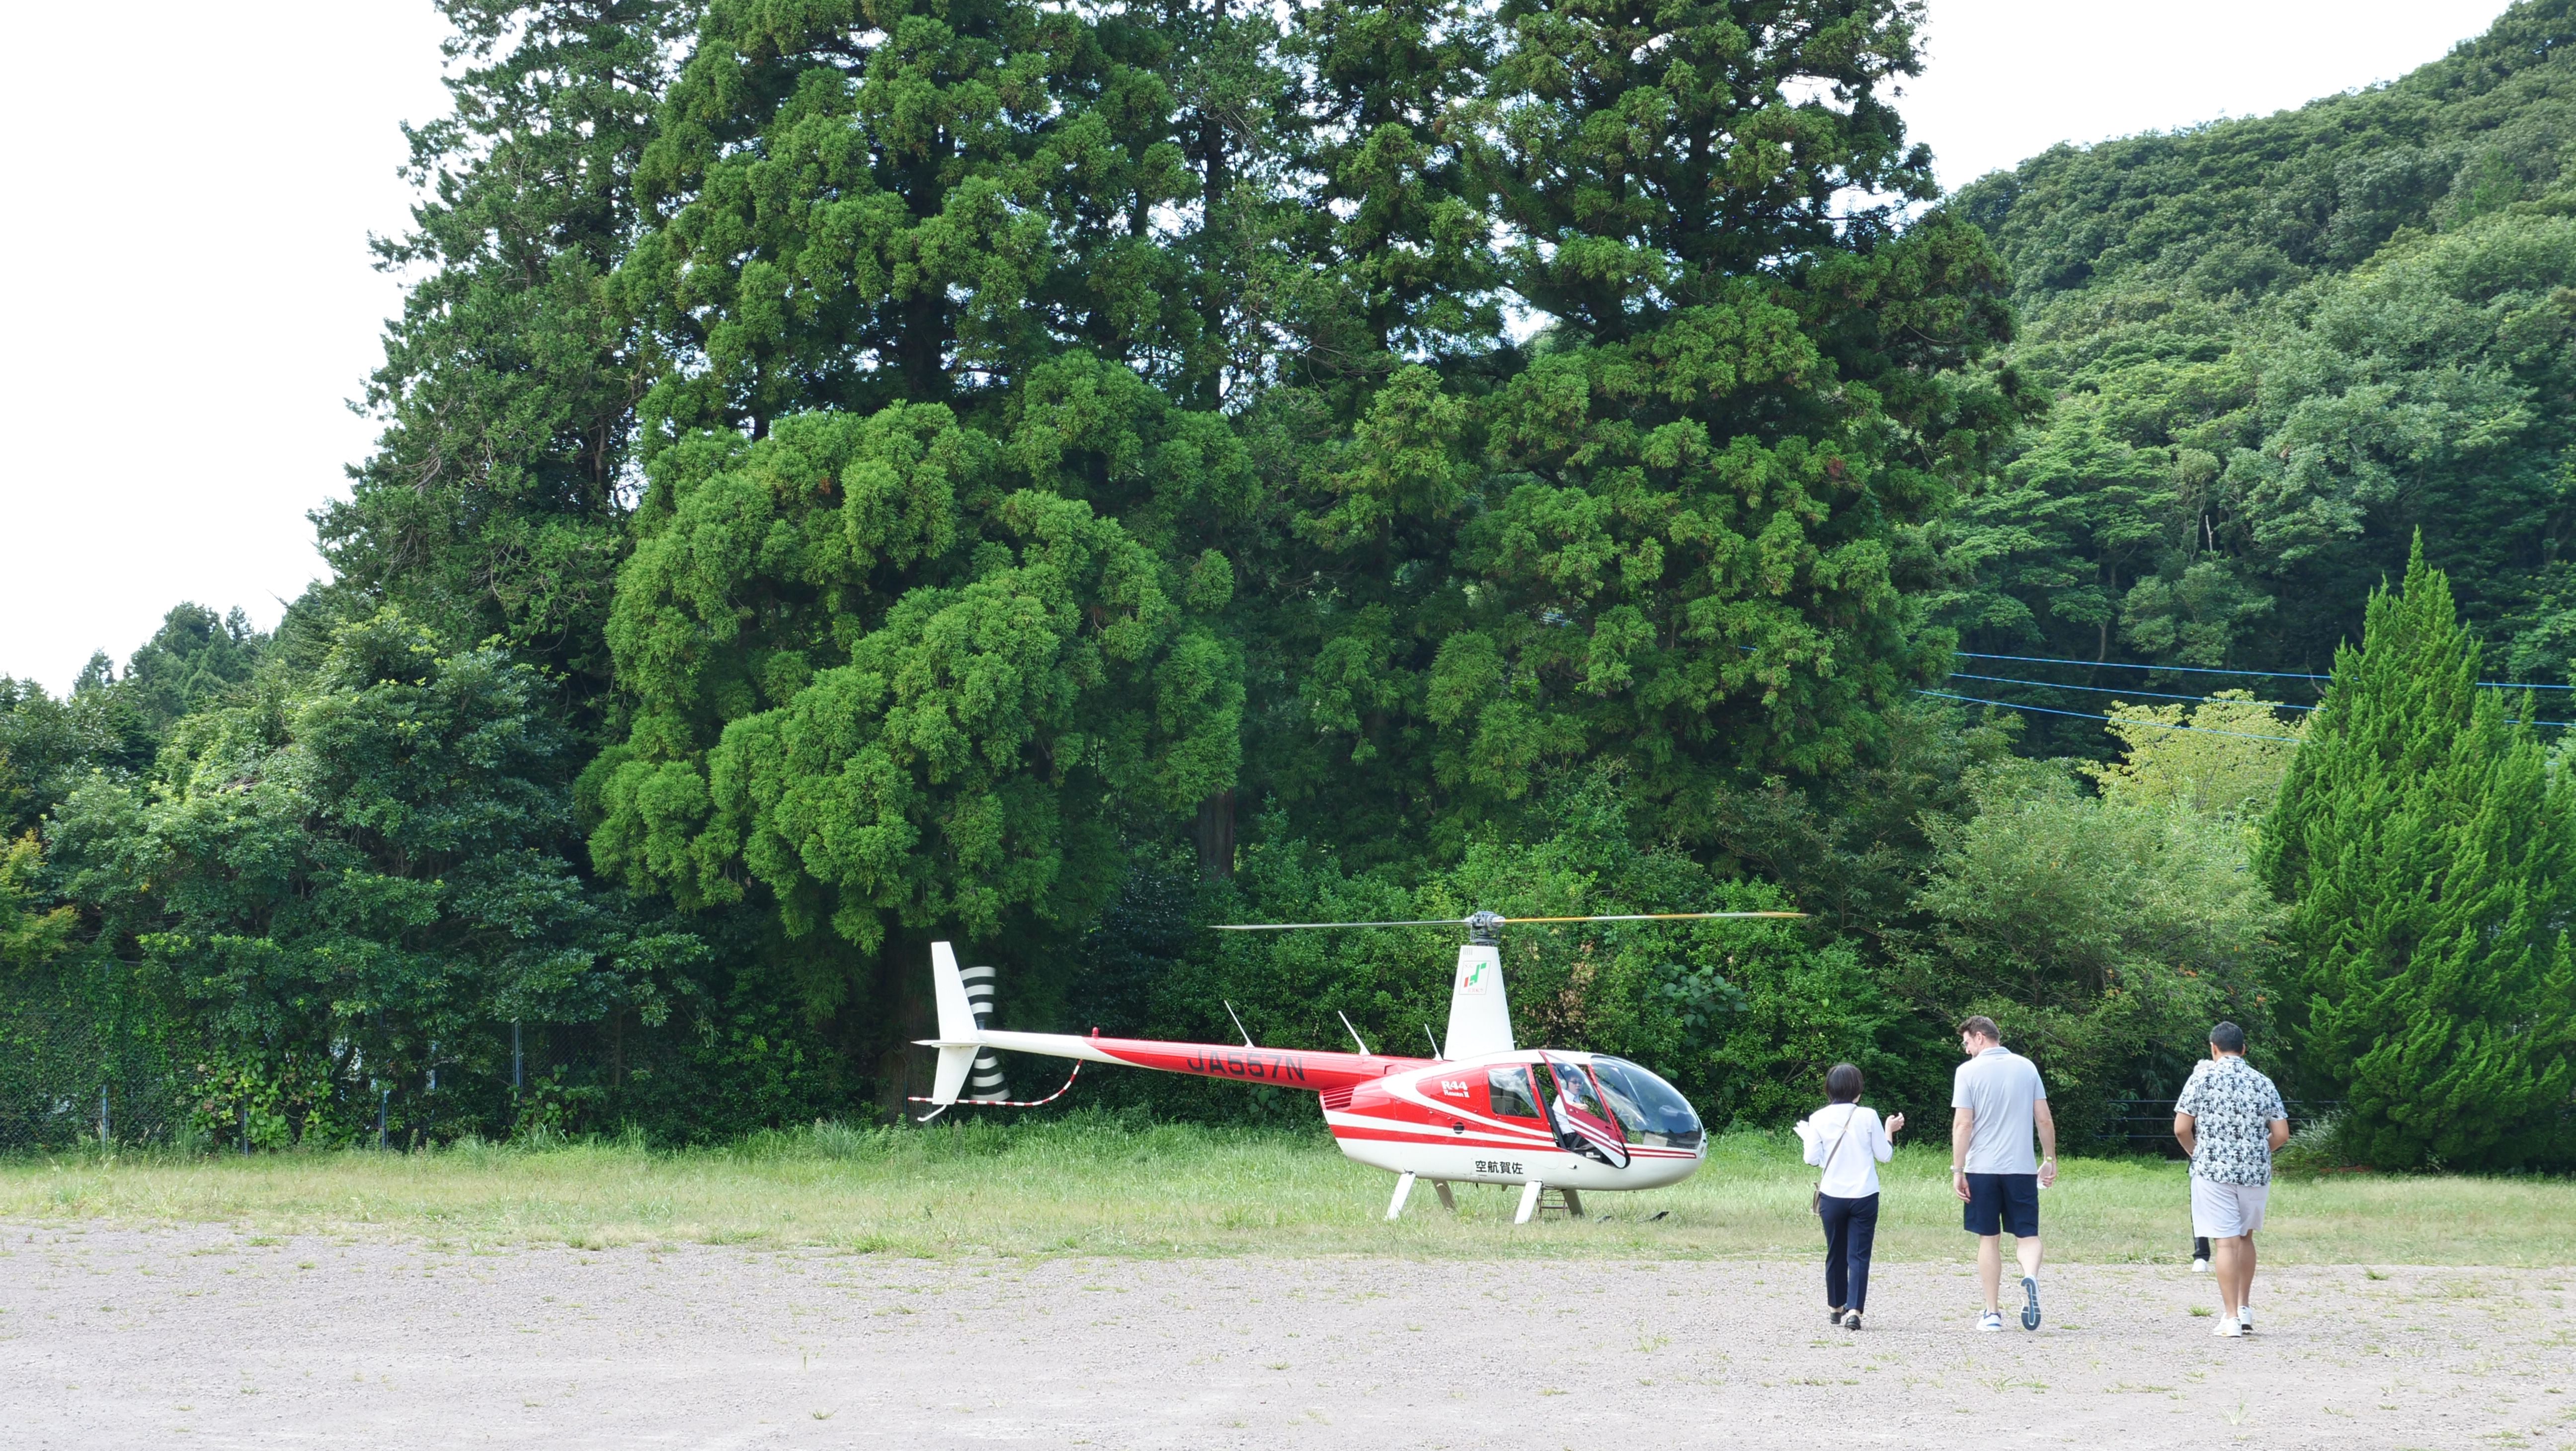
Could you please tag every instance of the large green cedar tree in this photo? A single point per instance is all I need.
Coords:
(918, 612)
(1677, 529)
(496, 501)
(1700, 501)
(2428, 849)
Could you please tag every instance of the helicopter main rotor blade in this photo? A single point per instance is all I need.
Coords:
(1656, 917)
(1294, 926)
(1464, 922)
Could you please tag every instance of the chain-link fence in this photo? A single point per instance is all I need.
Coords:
(67, 1084)
(2145, 1125)
(72, 1078)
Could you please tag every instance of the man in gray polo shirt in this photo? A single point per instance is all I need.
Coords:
(1996, 1102)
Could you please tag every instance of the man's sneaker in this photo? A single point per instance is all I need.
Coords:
(2245, 1318)
(1991, 1322)
(2228, 1329)
(2030, 1303)
(1851, 1319)
(2200, 1267)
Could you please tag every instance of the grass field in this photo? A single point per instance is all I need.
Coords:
(1093, 1187)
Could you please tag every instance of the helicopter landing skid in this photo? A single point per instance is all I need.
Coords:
(1404, 1190)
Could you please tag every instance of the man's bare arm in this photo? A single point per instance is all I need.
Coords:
(2280, 1133)
(2047, 1123)
(1963, 1123)
(2187, 1132)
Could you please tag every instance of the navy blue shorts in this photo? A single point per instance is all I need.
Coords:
(2003, 1204)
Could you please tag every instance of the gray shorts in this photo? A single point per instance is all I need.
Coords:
(2224, 1211)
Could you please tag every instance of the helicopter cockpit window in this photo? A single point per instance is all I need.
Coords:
(1577, 1089)
(1651, 1110)
(1512, 1094)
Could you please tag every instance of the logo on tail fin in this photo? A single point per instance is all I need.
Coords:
(1471, 977)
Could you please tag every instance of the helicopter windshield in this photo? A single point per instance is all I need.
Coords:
(1651, 1110)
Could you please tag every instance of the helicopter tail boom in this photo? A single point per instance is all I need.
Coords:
(961, 1038)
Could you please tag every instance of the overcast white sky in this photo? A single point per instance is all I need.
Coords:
(190, 302)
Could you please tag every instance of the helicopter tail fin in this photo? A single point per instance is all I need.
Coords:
(1480, 1015)
(959, 1038)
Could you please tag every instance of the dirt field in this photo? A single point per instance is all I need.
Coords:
(201, 1337)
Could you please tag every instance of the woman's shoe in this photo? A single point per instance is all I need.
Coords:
(1851, 1319)
(1835, 1315)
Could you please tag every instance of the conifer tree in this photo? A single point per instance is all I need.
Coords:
(2426, 845)
(1699, 499)
(496, 501)
(913, 614)
(1399, 222)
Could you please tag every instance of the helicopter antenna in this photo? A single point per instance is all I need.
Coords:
(1354, 1032)
(1238, 1023)
(1435, 1043)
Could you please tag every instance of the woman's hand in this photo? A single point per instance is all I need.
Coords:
(1896, 1126)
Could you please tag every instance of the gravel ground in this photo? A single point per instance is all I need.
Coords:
(199, 1337)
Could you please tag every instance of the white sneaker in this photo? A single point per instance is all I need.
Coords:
(2228, 1329)
(2200, 1267)
(2245, 1318)
(1991, 1322)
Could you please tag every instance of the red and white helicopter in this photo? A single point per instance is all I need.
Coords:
(1484, 1111)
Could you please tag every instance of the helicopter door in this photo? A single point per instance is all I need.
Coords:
(1575, 1111)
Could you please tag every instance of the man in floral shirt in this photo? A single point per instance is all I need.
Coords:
(2230, 1120)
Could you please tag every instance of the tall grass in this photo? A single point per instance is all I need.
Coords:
(1095, 1184)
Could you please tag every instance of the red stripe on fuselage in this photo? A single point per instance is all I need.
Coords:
(1398, 1134)
(1277, 1067)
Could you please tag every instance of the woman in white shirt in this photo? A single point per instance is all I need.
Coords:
(1848, 1143)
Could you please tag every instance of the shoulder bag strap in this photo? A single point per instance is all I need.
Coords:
(1816, 1201)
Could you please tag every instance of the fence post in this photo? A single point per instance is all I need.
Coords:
(244, 1106)
(384, 1096)
(104, 1142)
(516, 1062)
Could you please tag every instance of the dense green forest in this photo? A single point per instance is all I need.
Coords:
(867, 471)
(2277, 347)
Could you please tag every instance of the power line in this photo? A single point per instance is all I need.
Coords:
(2116, 690)
(2093, 718)
(2126, 665)
(2203, 699)
(2212, 670)
(2161, 725)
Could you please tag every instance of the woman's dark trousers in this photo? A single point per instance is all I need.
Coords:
(1851, 1227)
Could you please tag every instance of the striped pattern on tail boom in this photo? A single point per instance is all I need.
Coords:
(986, 1085)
